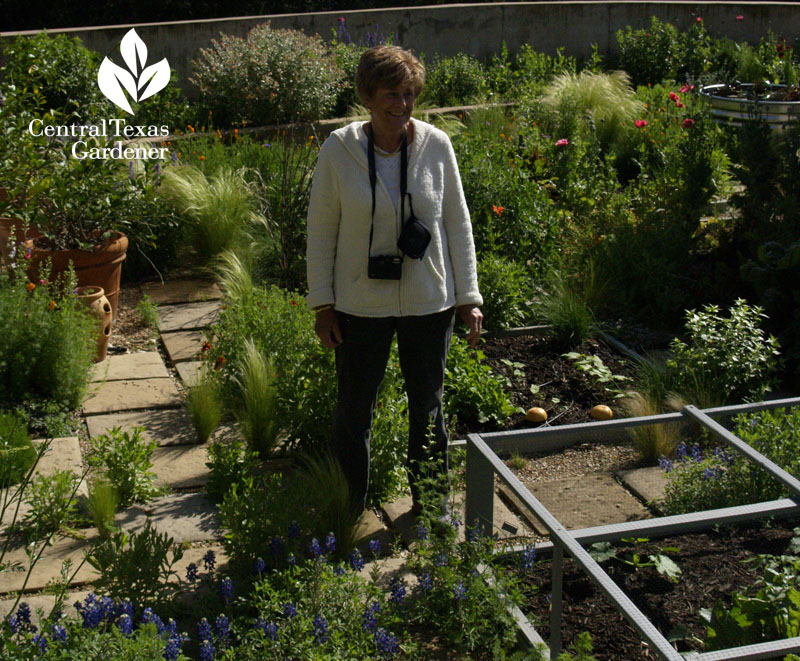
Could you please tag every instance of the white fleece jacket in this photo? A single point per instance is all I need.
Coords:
(339, 225)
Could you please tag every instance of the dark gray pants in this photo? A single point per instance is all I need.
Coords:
(423, 343)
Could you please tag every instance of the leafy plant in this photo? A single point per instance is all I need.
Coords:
(454, 81)
(205, 407)
(148, 311)
(662, 563)
(567, 310)
(17, 454)
(125, 458)
(102, 505)
(271, 76)
(598, 371)
(136, 565)
(257, 419)
(505, 288)
(52, 504)
(230, 461)
(649, 55)
(730, 356)
(580, 650)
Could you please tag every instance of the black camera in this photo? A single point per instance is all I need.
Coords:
(385, 267)
(414, 238)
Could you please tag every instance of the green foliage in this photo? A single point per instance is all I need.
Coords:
(205, 407)
(567, 310)
(257, 417)
(136, 565)
(662, 563)
(102, 505)
(505, 287)
(60, 68)
(459, 80)
(218, 209)
(580, 650)
(472, 392)
(650, 441)
(728, 357)
(229, 461)
(125, 458)
(270, 77)
(148, 311)
(649, 55)
(47, 342)
(17, 454)
(718, 479)
(598, 371)
(52, 503)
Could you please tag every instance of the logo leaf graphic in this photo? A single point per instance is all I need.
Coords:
(158, 76)
(131, 46)
(111, 79)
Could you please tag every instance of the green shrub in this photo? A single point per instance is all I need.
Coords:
(455, 81)
(205, 407)
(722, 478)
(567, 309)
(62, 70)
(649, 55)
(17, 454)
(52, 503)
(102, 505)
(230, 461)
(505, 287)
(257, 416)
(125, 458)
(47, 342)
(728, 357)
(270, 77)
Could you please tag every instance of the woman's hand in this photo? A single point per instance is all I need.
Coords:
(327, 328)
(472, 317)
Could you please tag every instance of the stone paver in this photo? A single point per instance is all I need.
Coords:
(181, 291)
(190, 371)
(130, 366)
(183, 345)
(63, 454)
(371, 527)
(48, 567)
(115, 396)
(166, 426)
(187, 316)
(181, 466)
(584, 501)
(187, 517)
(648, 484)
(45, 603)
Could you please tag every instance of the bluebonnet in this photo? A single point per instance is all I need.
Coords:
(125, 607)
(441, 559)
(41, 641)
(294, 530)
(330, 543)
(356, 561)
(723, 455)
(206, 650)
(455, 522)
(259, 566)
(174, 157)
(375, 546)
(276, 547)
(125, 624)
(171, 627)
(209, 560)
(682, 451)
(149, 616)
(386, 642)
(223, 627)
(398, 591)
(172, 649)
(24, 613)
(204, 630)
(475, 533)
(342, 35)
(58, 633)
(157, 169)
(314, 548)
(338, 570)
(368, 617)
(528, 557)
(94, 610)
(291, 560)
(289, 610)
(665, 464)
(425, 581)
(191, 572)
(459, 591)
(697, 453)
(270, 629)
(226, 590)
(320, 629)
(422, 532)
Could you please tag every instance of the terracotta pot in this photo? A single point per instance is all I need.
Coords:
(101, 267)
(95, 299)
(12, 231)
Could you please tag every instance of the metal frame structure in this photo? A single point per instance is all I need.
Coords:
(483, 464)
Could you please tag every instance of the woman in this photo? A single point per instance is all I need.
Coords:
(364, 288)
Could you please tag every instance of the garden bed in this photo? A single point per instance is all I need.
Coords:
(713, 567)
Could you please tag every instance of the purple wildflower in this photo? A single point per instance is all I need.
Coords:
(226, 590)
(209, 561)
(368, 618)
(459, 591)
(330, 543)
(276, 547)
(422, 532)
(58, 633)
(665, 464)
(223, 627)
(528, 557)
(270, 629)
(356, 561)
(398, 591)
(204, 630)
(149, 616)
(425, 581)
(206, 650)
(314, 548)
(259, 566)
(191, 572)
(294, 530)
(320, 629)
(125, 624)
(375, 546)
(697, 453)
(289, 610)
(386, 642)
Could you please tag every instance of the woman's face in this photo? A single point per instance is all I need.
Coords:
(391, 108)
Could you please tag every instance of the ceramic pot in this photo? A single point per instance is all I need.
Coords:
(95, 299)
(101, 267)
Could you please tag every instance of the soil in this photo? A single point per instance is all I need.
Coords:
(129, 330)
(712, 565)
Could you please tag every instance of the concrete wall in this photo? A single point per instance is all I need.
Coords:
(475, 29)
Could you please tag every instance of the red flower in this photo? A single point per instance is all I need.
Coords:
(679, 104)
(674, 97)
(28, 255)
(640, 123)
(686, 88)
(219, 362)
(740, 17)
(688, 122)
(498, 210)
(293, 303)
(206, 346)
(562, 143)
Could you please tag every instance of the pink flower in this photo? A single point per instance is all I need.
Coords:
(678, 104)
(686, 88)
(688, 123)
(562, 143)
(640, 123)
(740, 17)
(674, 97)
(699, 20)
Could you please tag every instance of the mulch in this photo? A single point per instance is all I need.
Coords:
(713, 567)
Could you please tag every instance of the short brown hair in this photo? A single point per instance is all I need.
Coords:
(388, 66)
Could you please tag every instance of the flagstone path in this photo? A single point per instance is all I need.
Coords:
(138, 389)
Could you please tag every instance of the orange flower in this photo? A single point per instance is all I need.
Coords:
(202, 158)
(219, 362)
(190, 127)
(293, 303)
(30, 286)
(206, 346)
(52, 305)
(498, 210)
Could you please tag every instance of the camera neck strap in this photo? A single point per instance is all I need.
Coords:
(373, 177)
